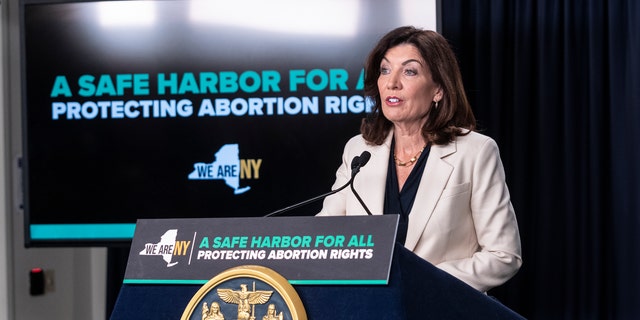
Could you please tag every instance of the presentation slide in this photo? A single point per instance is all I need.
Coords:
(186, 109)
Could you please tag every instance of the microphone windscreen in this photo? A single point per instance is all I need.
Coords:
(364, 158)
(355, 163)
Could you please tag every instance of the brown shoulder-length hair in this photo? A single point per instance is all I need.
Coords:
(453, 113)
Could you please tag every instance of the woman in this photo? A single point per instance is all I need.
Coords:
(214, 313)
(428, 165)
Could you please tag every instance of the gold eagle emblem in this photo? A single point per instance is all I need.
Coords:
(245, 299)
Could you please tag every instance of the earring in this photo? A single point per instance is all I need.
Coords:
(436, 106)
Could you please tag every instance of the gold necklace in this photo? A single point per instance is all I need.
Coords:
(410, 162)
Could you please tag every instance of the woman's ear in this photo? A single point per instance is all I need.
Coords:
(439, 94)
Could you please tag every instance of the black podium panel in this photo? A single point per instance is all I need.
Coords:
(416, 290)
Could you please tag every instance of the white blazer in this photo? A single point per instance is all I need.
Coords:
(462, 220)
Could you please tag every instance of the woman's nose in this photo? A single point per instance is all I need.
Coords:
(393, 82)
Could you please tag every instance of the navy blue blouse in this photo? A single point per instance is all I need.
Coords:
(400, 201)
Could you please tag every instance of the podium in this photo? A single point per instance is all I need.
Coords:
(415, 290)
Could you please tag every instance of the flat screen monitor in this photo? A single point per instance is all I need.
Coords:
(187, 109)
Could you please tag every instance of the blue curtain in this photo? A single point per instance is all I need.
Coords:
(557, 84)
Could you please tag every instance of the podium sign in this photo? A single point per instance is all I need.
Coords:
(305, 250)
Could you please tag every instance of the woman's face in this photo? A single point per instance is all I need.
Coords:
(406, 87)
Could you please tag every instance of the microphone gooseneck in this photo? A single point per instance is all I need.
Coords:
(357, 163)
(355, 167)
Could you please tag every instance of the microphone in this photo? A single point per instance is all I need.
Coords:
(356, 164)
(359, 162)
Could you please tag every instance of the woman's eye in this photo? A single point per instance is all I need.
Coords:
(411, 72)
(384, 70)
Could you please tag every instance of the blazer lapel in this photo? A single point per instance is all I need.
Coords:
(434, 179)
(374, 194)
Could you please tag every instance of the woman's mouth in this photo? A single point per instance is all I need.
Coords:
(393, 100)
